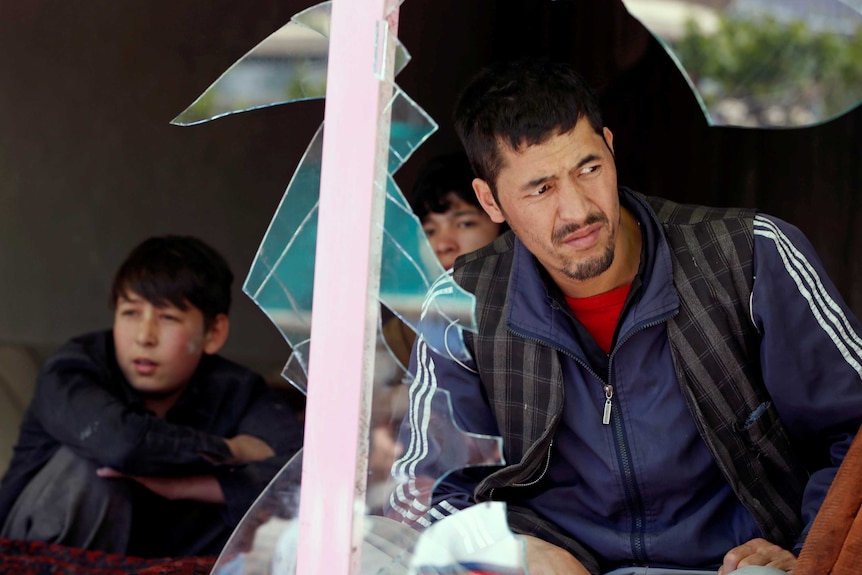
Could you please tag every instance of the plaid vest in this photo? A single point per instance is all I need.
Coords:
(715, 350)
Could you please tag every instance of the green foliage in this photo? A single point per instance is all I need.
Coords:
(767, 63)
(306, 80)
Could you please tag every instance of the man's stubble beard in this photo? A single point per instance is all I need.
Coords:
(592, 267)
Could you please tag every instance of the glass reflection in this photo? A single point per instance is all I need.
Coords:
(476, 540)
(265, 540)
(290, 66)
(442, 447)
(763, 63)
(281, 277)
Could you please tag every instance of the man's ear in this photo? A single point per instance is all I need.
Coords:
(216, 336)
(487, 201)
(609, 138)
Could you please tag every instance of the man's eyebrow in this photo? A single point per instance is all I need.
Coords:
(586, 160)
(542, 179)
(536, 182)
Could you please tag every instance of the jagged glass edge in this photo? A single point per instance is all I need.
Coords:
(306, 19)
(263, 271)
(281, 497)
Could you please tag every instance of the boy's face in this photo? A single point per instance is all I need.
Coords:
(462, 228)
(159, 348)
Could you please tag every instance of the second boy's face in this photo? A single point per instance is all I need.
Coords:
(462, 228)
(158, 348)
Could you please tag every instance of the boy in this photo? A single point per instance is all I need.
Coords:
(141, 440)
(443, 200)
(455, 224)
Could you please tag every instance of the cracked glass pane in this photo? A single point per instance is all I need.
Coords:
(288, 66)
(280, 281)
(265, 540)
(763, 63)
(281, 277)
(433, 447)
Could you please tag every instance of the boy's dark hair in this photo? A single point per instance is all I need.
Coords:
(442, 175)
(521, 102)
(177, 270)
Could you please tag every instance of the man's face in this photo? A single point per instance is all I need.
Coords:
(462, 228)
(561, 199)
(159, 348)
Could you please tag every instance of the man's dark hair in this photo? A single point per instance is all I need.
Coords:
(518, 103)
(177, 270)
(442, 175)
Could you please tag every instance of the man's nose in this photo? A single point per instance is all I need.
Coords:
(573, 204)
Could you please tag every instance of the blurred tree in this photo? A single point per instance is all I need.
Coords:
(771, 73)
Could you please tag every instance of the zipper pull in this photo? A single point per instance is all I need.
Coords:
(609, 393)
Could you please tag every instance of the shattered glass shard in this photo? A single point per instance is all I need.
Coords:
(288, 66)
(281, 278)
(266, 538)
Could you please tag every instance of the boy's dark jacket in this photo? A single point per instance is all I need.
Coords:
(83, 401)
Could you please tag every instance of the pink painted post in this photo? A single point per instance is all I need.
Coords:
(346, 284)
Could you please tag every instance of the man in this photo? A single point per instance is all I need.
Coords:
(675, 386)
(141, 439)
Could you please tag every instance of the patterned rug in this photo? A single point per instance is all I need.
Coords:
(37, 558)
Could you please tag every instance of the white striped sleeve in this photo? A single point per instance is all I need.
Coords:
(828, 313)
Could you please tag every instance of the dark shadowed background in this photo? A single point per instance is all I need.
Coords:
(90, 166)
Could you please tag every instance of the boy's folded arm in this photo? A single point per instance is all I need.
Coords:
(203, 488)
(234, 487)
(241, 485)
(76, 402)
(270, 418)
(74, 406)
(271, 428)
(248, 448)
(268, 421)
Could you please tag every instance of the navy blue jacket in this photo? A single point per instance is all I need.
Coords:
(644, 489)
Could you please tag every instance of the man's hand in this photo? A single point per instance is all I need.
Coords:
(758, 552)
(204, 488)
(247, 448)
(545, 558)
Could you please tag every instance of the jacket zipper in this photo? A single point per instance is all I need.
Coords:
(557, 420)
(609, 389)
(629, 481)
